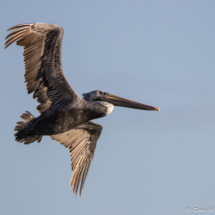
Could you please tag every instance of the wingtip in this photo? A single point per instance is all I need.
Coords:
(18, 26)
(6, 45)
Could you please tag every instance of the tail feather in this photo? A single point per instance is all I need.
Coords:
(23, 129)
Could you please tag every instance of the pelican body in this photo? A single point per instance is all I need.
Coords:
(58, 120)
(64, 115)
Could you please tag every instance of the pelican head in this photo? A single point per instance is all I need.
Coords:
(98, 95)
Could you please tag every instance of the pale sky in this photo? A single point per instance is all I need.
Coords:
(159, 53)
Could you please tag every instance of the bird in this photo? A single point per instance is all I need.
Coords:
(64, 115)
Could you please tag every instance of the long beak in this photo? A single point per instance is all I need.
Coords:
(118, 101)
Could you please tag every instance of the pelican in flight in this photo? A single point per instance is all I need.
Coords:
(64, 115)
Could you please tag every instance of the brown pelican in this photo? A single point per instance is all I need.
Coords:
(65, 116)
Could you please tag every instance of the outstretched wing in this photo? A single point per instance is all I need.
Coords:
(81, 142)
(42, 57)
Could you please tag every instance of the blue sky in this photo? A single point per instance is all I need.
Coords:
(159, 53)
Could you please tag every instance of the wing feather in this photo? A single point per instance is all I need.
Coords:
(81, 142)
(42, 58)
(18, 26)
